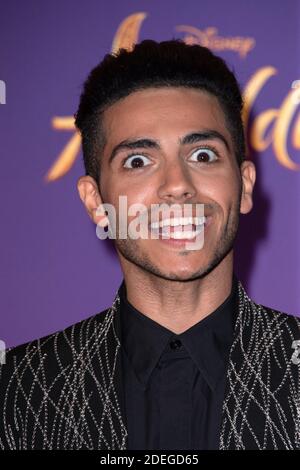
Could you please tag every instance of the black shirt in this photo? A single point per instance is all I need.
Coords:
(174, 384)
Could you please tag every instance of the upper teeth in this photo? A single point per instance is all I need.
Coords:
(179, 221)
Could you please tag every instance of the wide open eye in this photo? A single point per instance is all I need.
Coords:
(136, 161)
(205, 155)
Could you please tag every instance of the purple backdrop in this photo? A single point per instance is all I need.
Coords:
(54, 270)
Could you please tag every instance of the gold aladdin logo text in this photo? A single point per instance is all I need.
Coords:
(269, 128)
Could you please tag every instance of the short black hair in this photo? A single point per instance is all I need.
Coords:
(151, 64)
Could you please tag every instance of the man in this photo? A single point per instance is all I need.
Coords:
(183, 359)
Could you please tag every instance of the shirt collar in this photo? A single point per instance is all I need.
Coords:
(207, 342)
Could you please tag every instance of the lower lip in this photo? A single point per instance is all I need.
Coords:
(181, 242)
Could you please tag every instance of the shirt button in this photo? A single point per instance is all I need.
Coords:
(175, 344)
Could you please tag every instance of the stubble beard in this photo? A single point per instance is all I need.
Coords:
(131, 251)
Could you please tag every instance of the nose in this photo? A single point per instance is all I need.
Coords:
(177, 185)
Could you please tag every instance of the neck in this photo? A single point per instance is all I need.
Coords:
(178, 305)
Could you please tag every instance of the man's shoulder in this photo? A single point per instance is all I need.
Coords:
(62, 345)
(284, 318)
(47, 383)
(270, 329)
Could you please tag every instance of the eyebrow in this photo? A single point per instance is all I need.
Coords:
(146, 143)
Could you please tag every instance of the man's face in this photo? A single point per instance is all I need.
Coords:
(202, 170)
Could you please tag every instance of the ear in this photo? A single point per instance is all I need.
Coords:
(248, 174)
(90, 196)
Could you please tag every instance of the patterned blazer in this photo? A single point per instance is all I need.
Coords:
(65, 391)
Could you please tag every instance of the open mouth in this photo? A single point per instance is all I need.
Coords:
(180, 228)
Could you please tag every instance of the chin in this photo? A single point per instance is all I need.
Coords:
(181, 275)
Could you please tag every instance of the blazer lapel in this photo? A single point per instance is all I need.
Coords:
(262, 388)
(114, 415)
